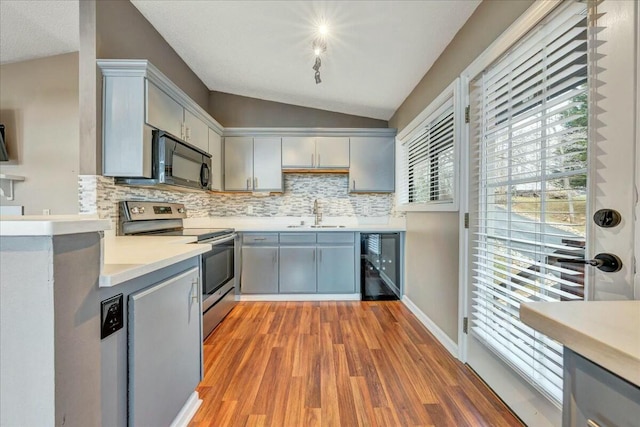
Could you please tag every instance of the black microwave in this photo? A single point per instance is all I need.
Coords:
(175, 163)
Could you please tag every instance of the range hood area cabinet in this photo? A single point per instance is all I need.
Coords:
(253, 164)
(372, 165)
(138, 98)
(315, 153)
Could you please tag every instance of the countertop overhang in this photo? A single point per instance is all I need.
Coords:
(605, 332)
(50, 225)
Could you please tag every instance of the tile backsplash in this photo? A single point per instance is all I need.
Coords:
(99, 194)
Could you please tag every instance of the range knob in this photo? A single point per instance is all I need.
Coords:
(137, 210)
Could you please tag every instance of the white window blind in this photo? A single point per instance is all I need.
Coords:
(529, 167)
(428, 160)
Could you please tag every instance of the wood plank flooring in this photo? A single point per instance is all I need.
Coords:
(337, 364)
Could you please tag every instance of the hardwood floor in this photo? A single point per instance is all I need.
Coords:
(337, 364)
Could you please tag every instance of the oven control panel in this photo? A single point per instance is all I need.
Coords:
(137, 210)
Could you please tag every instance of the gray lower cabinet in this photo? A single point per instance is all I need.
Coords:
(297, 269)
(259, 270)
(336, 269)
(372, 167)
(164, 349)
(596, 397)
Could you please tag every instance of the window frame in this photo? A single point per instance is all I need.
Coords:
(452, 94)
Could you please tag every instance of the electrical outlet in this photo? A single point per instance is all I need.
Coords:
(249, 210)
(112, 315)
(46, 211)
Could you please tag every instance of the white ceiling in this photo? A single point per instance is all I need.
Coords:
(377, 50)
(34, 29)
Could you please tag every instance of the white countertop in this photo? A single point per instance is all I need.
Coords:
(282, 224)
(128, 257)
(605, 332)
(51, 225)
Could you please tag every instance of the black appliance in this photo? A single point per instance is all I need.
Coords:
(175, 163)
(218, 282)
(4, 156)
(380, 266)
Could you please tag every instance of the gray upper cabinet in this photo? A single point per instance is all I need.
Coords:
(196, 131)
(298, 152)
(315, 152)
(138, 98)
(252, 164)
(372, 166)
(238, 163)
(332, 152)
(163, 112)
(217, 166)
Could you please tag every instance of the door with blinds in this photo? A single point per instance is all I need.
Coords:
(550, 125)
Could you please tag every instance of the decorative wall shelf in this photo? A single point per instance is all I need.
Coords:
(6, 184)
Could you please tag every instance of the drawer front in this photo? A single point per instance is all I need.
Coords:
(259, 238)
(297, 237)
(336, 238)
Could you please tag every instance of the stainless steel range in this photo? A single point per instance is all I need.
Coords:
(217, 266)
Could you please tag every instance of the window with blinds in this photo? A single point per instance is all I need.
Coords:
(529, 167)
(428, 160)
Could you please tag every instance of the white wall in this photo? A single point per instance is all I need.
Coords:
(39, 108)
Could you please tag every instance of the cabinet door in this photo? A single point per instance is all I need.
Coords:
(297, 269)
(372, 166)
(238, 163)
(267, 164)
(164, 349)
(336, 269)
(217, 167)
(332, 152)
(196, 131)
(163, 112)
(259, 270)
(298, 152)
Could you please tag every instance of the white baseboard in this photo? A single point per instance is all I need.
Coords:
(301, 297)
(444, 339)
(188, 411)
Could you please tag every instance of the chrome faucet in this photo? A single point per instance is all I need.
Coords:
(316, 211)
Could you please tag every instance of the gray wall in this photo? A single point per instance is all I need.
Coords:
(241, 111)
(39, 107)
(432, 237)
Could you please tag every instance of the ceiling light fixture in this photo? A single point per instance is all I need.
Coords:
(319, 46)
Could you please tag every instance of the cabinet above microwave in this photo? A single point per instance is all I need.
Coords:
(138, 98)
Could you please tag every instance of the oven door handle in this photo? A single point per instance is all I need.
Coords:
(214, 242)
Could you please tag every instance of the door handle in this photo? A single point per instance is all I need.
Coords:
(609, 263)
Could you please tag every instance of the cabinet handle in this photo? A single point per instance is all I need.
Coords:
(194, 290)
(353, 186)
(318, 159)
(320, 255)
(591, 423)
(275, 258)
(314, 255)
(312, 160)
(255, 183)
(248, 182)
(258, 239)
(182, 130)
(187, 133)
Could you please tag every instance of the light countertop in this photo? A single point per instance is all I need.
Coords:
(282, 224)
(127, 257)
(605, 332)
(51, 225)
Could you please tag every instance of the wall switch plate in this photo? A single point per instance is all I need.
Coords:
(112, 315)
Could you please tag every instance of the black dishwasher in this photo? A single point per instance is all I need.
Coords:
(379, 266)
